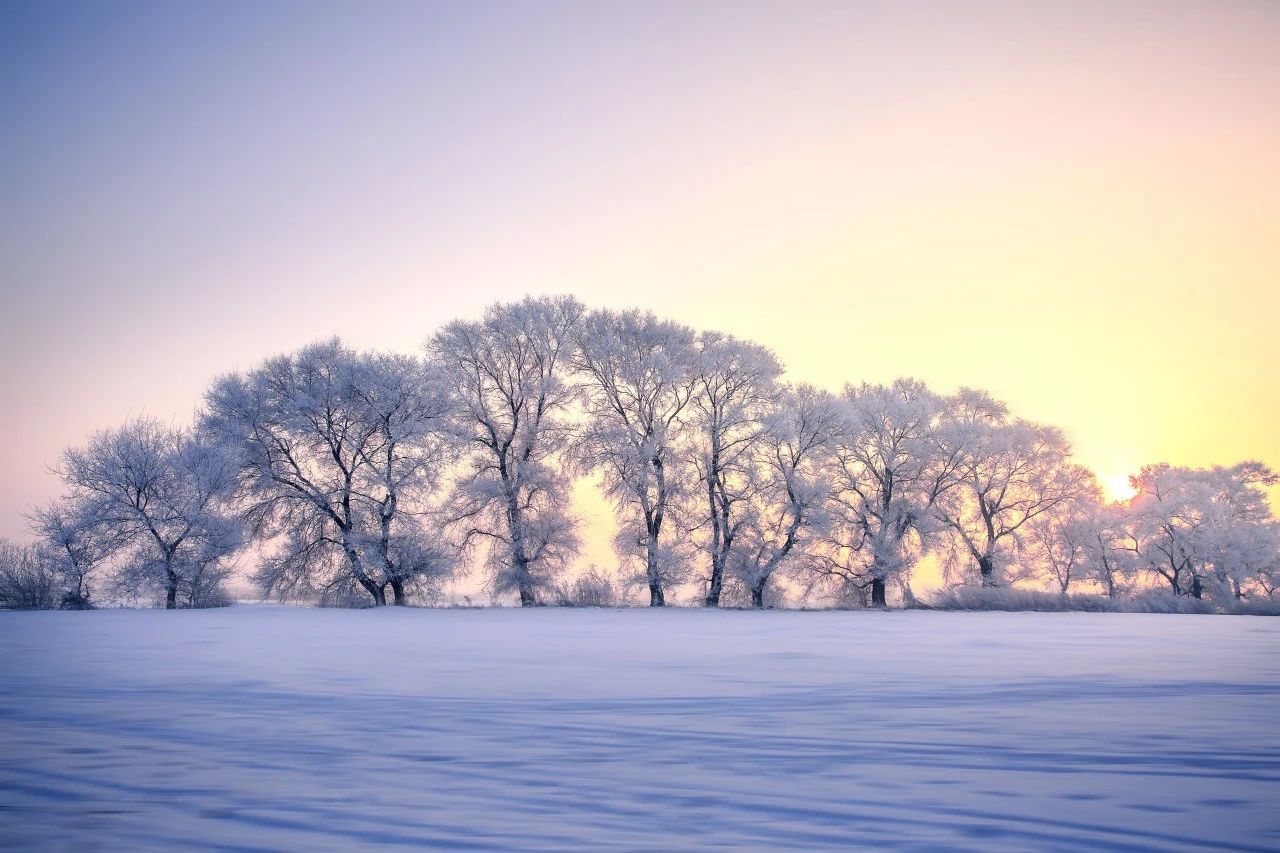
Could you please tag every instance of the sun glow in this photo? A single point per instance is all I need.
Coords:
(1117, 487)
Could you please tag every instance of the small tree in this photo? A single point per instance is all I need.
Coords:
(160, 494)
(1008, 473)
(1059, 545)
(78, 548)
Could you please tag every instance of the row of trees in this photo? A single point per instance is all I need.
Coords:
(379, 477)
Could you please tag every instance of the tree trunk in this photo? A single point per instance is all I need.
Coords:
(757, 595)
(1197, 589)
(397, 590)
(656, 596)
(171, 590)
(527, 598)
(717, 584)
(987, 567)
(877, 592)
(376, 592)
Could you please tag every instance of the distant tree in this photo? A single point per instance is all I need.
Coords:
(508, 376)
(890, 471)
(788, 505)
(639, 377)
(337, 454)
(1203, 529)
(1008, 473)
(160, 494)
(735, 385)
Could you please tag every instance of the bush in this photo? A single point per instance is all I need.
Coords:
(1163, 601)
(1009, 599)
(592, 589)
(28, 581)
(1257, 606)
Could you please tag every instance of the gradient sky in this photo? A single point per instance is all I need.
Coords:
(1074, 205)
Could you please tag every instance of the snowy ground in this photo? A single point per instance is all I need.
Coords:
(260, 728)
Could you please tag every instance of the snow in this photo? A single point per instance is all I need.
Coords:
(260, 727)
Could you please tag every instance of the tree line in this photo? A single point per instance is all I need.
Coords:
(376, 478)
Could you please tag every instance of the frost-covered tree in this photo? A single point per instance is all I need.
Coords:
(787, 509)
(639, 377)
(1108, 557)
(508, 375)
(160, 494)
(889, 471)
(735, 386)
(77, 548)
(407, 404)
(1059, 546)
(338, 453)
(1008, 473)
(1203, 529)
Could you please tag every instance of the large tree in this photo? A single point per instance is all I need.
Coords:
(336, 451)
(508, 375)
(890, 470)
(639, 378)
(735, 385)
(788, 507)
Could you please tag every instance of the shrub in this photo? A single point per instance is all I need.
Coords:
(1256, 606)
(592, 589)
(1010, 599)
(1163, 601)
(28, 581)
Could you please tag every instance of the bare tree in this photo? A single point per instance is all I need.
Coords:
(734, 387)
(508, 376)
(640, 379)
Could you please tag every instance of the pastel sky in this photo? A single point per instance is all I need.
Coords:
(1075, 205)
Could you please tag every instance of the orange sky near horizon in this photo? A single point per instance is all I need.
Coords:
(1073, 205)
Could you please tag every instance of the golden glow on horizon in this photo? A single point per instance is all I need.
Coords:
(1074, 206)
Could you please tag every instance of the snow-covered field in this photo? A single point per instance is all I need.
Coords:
(257, 728)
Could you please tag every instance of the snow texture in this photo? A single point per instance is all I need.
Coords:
(260, 727)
